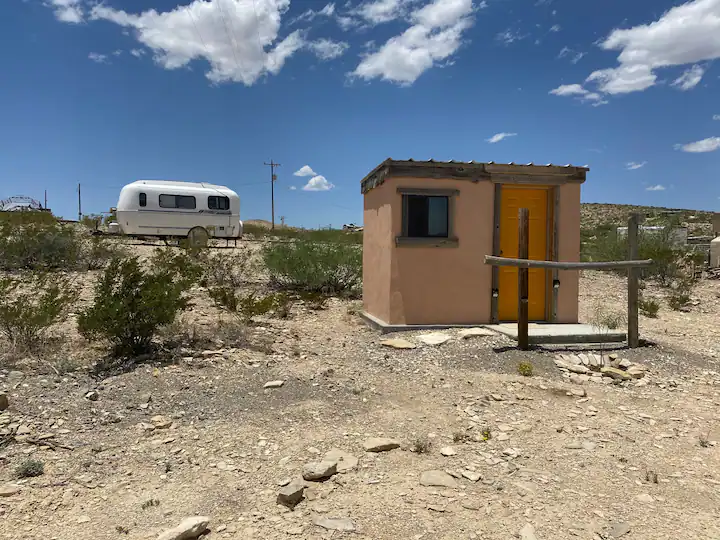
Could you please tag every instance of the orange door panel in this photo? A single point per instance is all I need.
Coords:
(536, 200)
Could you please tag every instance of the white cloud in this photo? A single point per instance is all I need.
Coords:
(624, 79)
(573, 55)
(716, 116)
(581, 93)
(305, 170)
(690, 78)
(318, 183)
(98, 58)
(239, 39)
(137, 53)
(382, 11)
(509, 37)
(311, 14)
(499, 137)
(292, 188)
(326, 49)
(632, 166)
(482, 4)
(69, 11)
(706, 145)
(555, 28)
(436, 34)
(657, 187)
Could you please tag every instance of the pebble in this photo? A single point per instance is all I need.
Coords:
(380, 444)
(92, 395)
(434, 338)
(274, 384)
(619, 529)
(614, 373)
(4, 402)
(345, 462)
(335, 524)
(161, 422)
(291, 494)
(398, 343)
(319, 470)
(471, 475)
(528, 533)
(467, 333)
(8, 490)
(437, 479)
(503, 436)
(645, 498)
(448, 451)
(188, 529)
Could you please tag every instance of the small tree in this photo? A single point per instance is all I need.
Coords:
(29, 306)
(131, 303)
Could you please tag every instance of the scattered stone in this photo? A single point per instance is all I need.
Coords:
(8, 490)
(579, 369)
(636, 373)
(83, 519)
(4, 402)
(578, 392)
(319, 470)
(470, 505)
(274, 384)
(291, 494)
(398, 343)
(335, 524)
(624, 363)
(345, 462)
(380, 444)
(448, 451)
(528, 533)
(434, 338)
(188, 529)
(497, 397)
(645, 498)
(92, 395)
(619, 529)
(161, 422)
(615, 373)
(502, 436)
(207, 354)
(467, 333)
(437, 479)
(15, 376)
(471, 475)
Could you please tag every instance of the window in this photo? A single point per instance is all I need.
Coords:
(143, 199)
(177, 201)
(427, 217)
(218, 203)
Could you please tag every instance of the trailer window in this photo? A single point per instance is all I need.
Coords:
(143, 199)
(218, 203)
(177, 201)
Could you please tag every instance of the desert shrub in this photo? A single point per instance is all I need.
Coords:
(131, 303)
(186, 264)
(225, 297)
(649, 307)
(317, 267)
(98, 252)
(681, 289)
(312, 235)
(525, 369)
(30, 304)
(92, 221)
(41, 244)
(30, 468)
(421, 445)
(605, 319)
(252, 305)
(225, 270)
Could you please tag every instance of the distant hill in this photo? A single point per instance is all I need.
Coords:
(594, 215)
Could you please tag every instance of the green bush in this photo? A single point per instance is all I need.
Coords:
(328, 268)
(525, 369)
(31, 304)
(38, 245)
(251, 305)
(30, 468)
(649, 307)
(679, 296)
(225, 270)
(313, 235)
(131, 303)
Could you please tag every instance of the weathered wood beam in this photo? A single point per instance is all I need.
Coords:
(605, 265)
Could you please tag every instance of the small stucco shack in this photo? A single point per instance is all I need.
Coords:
(428, 226)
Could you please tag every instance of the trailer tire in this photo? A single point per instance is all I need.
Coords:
(198, 237)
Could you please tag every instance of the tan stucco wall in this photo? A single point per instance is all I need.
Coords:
(568, 228)
(449, 285)
(378, 243)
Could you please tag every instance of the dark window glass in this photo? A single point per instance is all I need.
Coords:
(177, 201)
(426, 216)
(143, 199)
(218, 203)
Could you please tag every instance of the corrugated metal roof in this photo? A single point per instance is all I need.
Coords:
(473, 162)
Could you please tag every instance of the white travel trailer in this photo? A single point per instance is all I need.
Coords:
(171, 210)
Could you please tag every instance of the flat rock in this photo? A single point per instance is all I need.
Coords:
(448, 451)
(467, 333)
(470, 505)
(434, 338)
(319, 470)
(8, 490)
(645, 498)
(615, 373)
(528, 533)
(188, 529)
(380, 444)
(578, 368)
(502, 436)
(291, 494)
(619, 529)
(398, 343)
(636, 373)
(273, 384)
(471, 475)
(345, 461)
(161, 422)
(437, 479)
(92, 395)
(624, 363)
(4, 401)
(335, 524)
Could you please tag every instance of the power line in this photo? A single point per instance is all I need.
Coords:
(273, 177)
(231, 38)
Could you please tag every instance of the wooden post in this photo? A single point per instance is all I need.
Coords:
(633, 283)
(523, 285)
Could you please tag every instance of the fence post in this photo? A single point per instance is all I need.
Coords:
(523, 281)
(633, 282)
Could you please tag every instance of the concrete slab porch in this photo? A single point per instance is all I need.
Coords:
(385, 328)
(547, 333)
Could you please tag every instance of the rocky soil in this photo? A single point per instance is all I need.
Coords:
(325, 432)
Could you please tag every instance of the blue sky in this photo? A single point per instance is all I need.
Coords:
(104, 93)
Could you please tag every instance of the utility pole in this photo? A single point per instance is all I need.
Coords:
(79, 205)
(282, 221)
(45, 200)
(273, 178)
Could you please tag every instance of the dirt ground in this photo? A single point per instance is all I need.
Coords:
(637, 461)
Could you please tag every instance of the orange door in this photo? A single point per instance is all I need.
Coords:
(536, 200)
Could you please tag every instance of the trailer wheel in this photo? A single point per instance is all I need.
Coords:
(198, 237)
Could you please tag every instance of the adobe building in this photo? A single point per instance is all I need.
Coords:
(428, 226)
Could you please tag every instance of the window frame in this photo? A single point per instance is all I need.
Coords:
(428, 241)
(142, 199)
(176, 198)
(219, 198)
